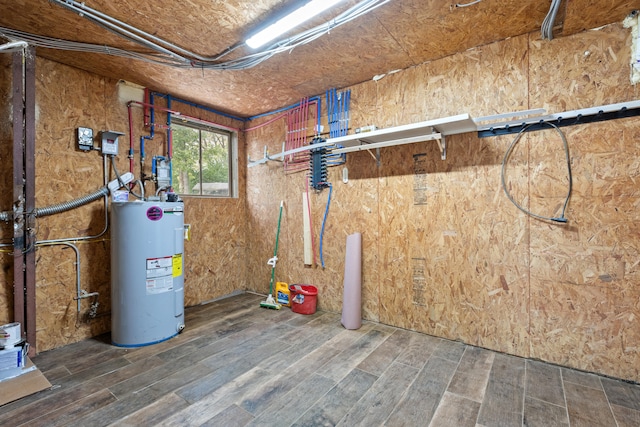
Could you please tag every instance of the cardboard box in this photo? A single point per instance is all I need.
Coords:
(29, 381)
(12, 361)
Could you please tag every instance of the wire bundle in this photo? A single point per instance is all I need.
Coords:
(167, 53)
(550, 19)
(560, 219)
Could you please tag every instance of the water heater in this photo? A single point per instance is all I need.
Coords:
(147, 281)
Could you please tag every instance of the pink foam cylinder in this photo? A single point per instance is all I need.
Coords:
(352, 294)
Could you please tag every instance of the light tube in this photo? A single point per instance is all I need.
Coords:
(290, 21)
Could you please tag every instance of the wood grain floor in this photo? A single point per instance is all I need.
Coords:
(237, 364)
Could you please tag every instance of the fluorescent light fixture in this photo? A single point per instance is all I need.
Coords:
(292, 20)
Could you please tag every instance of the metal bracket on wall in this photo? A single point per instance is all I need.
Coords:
(366, 144)
(442, 144)
(567, 118)
(428, 130)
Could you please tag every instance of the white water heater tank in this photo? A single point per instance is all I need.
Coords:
(147, 265)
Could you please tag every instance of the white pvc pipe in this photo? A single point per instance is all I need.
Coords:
(13, 45)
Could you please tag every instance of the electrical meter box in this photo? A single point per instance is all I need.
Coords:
(110, 142)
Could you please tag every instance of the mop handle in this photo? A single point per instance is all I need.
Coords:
(275, 251)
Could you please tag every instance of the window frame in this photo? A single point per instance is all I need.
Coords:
(232, 158)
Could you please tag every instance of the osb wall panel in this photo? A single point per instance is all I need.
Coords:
(265, 190)
(584, 276)
(215, 256)
(586, 14)
(6, 189)
(65, 99)
(454, 258)
(363, 198)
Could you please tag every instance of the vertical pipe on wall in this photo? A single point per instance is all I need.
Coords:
(30, 194)
(130, 137)
(169, 131)
(17, 93)
(24, 267)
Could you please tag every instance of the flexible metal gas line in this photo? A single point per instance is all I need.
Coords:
(67, 206)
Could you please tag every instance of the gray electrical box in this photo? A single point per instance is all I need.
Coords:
(110, 142)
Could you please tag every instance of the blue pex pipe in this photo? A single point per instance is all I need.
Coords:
(202, 107)
(324, 220)
(243, 119)
(154, 162)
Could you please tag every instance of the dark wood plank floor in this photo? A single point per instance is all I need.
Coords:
(238, 364)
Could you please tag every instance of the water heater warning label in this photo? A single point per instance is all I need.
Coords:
(159, 275)
(177, 265)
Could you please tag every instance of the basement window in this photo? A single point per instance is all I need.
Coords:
(205, 161)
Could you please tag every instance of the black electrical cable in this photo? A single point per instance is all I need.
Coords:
(561, 218)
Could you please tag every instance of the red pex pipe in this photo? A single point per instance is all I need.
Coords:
(268, 122)
(299, 122)
(130, 138)
(303, 124)
(289, 139)
(306, 118)
(145, 110)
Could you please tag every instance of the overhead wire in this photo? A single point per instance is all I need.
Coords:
(561, 218)
(468, 4)
(550, 19)
(166, 53)
(60, 44)
(134, 34)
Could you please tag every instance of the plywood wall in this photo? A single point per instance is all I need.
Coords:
(445, 252)
(584, 278)
(65, 99)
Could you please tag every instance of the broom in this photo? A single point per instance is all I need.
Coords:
(270, 302)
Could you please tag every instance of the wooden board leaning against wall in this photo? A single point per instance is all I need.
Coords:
(445, 252)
